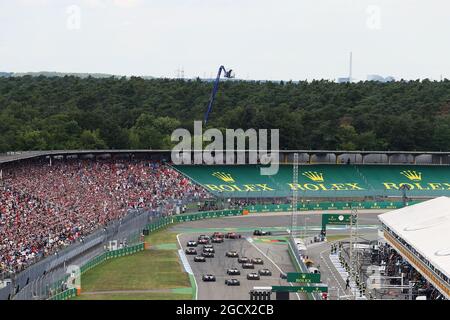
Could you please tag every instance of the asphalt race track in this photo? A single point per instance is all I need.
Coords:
(271, 253)
(219, 265)
(276, 222)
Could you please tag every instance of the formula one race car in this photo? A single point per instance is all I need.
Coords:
(217, 235)
(232, 282)
(203, 241)
(233, 235)
(248, 265)
(243, 260)
(257, 261)
(261, 233)
(191, 251)
(265, 272)
(209, 278)
(209, 250)
(233, 272)
(253, 276)
(202, 236)
(191, 243)
(199, 259)
(231, 254)
(217, 240)
(208, 254)
(208, 246)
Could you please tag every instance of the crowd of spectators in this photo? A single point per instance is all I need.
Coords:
(46, 206)
(395, 265)
(244, 202)
(395, 272)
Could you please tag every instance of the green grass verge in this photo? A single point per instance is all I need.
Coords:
(193, 286)
(146, 270)
(162, 236)
(150, 269)
(135, 296)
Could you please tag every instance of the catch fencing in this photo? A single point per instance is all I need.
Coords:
(36, 281)
(59, 289)
(299, 265)
(46, 277)
(336, 205)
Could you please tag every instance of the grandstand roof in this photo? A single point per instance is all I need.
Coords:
(22, 155)
(425, 227)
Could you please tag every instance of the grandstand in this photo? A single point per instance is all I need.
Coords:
(48, 204)
(420, 235)
(324, 181)
(56, 199)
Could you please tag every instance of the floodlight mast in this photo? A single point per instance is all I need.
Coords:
(294, 196)
(354, 255)
(227, 74)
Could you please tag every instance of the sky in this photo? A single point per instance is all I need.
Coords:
(259, 39)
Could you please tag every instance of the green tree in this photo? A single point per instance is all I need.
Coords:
(91, 140)
(347, 137)
(33, 140)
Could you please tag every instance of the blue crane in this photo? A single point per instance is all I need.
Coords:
(227, 74)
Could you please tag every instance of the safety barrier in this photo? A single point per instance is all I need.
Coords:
(299, 265)
(151, 227)
(208, 215)
(65, 295)
(70, 293)
(166, 221)
(34, 281)
(111, 255)
(160, 223)
(337, 205)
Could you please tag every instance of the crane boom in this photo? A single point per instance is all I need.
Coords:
(227, 74)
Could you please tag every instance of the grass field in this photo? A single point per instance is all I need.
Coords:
(162, 236)
(147, 270)
(135, 296)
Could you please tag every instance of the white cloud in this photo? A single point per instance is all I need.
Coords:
(116, 3)
(35, 2)
(126, 3)
(296, 40)
(94, 3)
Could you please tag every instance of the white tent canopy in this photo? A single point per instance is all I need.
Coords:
(425, 227)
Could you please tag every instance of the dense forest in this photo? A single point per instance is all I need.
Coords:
(38, 113)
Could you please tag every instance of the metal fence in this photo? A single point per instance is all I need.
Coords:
(43, 278)
(299, 265)
(362, 261)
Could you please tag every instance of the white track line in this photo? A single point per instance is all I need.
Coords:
(195, 280)
(268, 258)
(331, 271)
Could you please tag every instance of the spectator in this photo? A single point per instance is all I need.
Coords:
(45, 208)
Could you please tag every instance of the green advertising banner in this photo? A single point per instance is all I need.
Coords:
(302, 289)
(321, 180)
(207, 215)
(65, 295)
(303, 277)
(68, 294)
(322, 206)
(337, 219)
